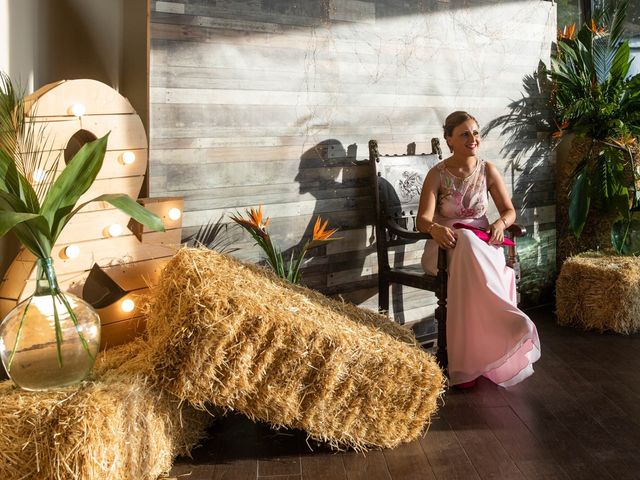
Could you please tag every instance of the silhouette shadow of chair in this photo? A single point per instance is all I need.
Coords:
(397, 183)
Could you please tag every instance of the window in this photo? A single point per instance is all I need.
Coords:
(569, 11)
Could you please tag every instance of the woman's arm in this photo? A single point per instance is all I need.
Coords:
(444, 236)
(500, 196)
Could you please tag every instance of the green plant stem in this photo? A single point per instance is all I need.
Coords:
(58, 329)
(74, 319)
(57, 293)
(624, 237)
(15, 344)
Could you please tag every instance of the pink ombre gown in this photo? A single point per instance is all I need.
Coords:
(487, 334)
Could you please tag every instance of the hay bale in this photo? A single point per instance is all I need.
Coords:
(237, 336)
(600, 292)
(115, 427)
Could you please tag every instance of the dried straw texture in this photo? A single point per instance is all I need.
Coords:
(238, 337)
(117, 427)
(599, 292)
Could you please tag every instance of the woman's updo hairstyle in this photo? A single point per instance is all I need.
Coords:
(453, 120)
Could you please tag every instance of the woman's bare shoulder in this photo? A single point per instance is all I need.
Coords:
(434, 173)
(491, 169)
(492, 174)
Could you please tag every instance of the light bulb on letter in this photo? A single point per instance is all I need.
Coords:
(71, 252)
(128, 157)
(38, 175)
(127, 305)
(174, 213)
(78, 109)
(114, 230)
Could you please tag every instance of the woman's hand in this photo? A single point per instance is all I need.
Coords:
(444, 236)
(496, 229)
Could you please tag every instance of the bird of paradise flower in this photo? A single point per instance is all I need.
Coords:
(257, 228)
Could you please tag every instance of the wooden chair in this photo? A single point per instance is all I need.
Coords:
(397, 181)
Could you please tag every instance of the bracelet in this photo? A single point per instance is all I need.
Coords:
(505, 222)
(433, 224)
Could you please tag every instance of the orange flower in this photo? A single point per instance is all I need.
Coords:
(595, 29)
(568, 32)
(560, 131)
(254, 221)
(256, 217)
(319, 232)
(625, 140)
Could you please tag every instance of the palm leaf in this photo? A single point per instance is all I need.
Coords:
(583, 49)
(579, 199)
(34, 232)
(32, 235)
(126, 204)
(9, 177)
(602, 56)
(621, 64)
(213, 236)
(73, 182)
(614, 18)
(11, 115)
(8, 220)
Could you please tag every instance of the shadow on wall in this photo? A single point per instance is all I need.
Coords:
(69, 45)
(331, 174)
(526, 135)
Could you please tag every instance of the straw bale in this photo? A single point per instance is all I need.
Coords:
(600, 292)
(116, 427)
(239, 337)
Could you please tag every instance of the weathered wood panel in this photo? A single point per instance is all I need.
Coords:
(273, 102)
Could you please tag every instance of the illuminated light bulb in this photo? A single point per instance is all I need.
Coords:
(174, 213)
(78, 109)
(72, 251)
(114, 230)
(128, 157)
(127, 305)
(38, 175)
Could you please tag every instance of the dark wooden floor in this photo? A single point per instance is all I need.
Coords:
(577, 417)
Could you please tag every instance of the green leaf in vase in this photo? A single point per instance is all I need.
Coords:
(72, 183)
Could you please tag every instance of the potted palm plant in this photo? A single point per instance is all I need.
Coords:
(51, 338)
(596, 101)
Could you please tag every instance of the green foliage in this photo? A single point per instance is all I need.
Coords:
(36, 205)
(290, 271)
(38, 214)
(594, 99)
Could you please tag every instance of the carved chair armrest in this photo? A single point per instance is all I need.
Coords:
(396, 229)
(517, 230)
(514, 231)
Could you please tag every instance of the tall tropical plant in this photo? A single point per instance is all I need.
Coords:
(257, 227)
(34, 203)
(595, 99)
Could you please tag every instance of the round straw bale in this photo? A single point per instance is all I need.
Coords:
(117, 427)
(599, 292)
(242, 339)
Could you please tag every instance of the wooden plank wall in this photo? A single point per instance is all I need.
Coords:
(273, 102)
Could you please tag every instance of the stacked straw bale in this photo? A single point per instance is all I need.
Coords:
(116, 427)
(238, 337)
(599, 292)
(230, 335)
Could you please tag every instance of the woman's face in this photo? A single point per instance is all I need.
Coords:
(465, 139)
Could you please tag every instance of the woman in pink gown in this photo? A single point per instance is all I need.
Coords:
(487, 335)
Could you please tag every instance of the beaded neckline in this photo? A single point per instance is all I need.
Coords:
(463, 179)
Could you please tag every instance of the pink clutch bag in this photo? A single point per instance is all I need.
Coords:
(482, 234)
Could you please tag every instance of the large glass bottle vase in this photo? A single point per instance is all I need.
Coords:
(51, 339)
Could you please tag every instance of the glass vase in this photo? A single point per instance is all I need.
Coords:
(51, 339)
